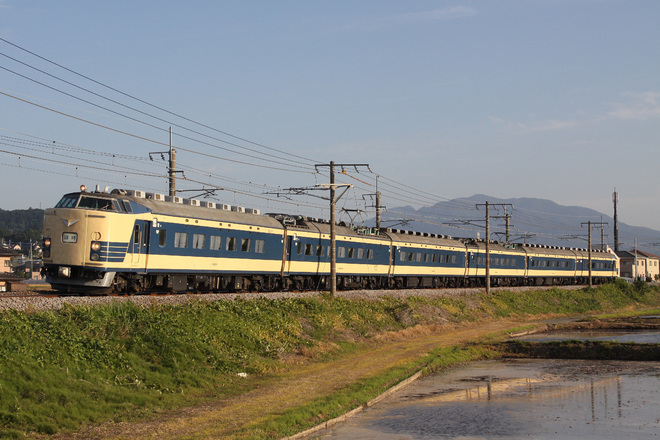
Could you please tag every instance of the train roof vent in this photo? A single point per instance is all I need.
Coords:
(174, 199)
(135, 193)
(155, 196)
(238, 209)
(206, 204)
(191, 202)
(253, 211)
(223, 207)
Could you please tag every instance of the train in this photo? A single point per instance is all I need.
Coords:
(131, 241)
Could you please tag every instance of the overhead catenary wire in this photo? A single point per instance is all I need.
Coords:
(147, 139)
(391, 189)
(153, 125)
(153, 105)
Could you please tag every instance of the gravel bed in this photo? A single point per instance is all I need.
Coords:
(41, 303)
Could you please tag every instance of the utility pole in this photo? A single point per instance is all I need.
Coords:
(333, 203)
(488, 205)
(590, 224)
(378, 206)
(172, 168)
(615, 199)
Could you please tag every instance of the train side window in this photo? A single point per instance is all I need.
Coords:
(418, 257)
(360, 253)
(403, 256)
(231, 243)
(351, 252)
(341, 252)
(199, 241)
(427, 258)
(162, 237)
(260, 246)
(308, 249)
(246, 245)
(299, 248)
(127, 206)
(216, 243)
(453, 259)
(180, 240)
(411, 256)
(370, 254)
(319, 250)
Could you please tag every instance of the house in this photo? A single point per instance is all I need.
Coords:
(639, 265)
(7, 278)
(6, 256)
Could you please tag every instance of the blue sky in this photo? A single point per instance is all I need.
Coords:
(554, 99)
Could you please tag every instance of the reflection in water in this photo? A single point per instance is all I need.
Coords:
(519, 399)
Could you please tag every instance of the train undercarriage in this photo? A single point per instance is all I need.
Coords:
(90, 282)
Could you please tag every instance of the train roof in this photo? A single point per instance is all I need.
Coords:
(159, 204)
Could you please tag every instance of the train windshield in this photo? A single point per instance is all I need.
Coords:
(86, 202)
(68, 201)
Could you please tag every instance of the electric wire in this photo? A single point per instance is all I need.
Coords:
(152, 105)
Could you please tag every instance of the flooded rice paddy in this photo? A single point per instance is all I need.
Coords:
(523, 399)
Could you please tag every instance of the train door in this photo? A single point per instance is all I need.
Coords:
(287, 251)
(140, 244)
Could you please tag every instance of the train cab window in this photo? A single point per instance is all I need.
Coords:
(260, 246)
(97, 203)
(341, 252)
(231, 243)
(180, 240)
(216, 243)
(127, 206)
(162, 237)
(136, 234)
(199, 241)
(246, 245)
(68, 201)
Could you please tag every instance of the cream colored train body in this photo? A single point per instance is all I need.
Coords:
(130, 241)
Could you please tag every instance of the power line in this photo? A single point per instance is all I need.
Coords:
(152, 105)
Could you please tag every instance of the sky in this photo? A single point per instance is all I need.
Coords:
(551, 99)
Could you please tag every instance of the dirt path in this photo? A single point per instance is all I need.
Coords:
(302, 383)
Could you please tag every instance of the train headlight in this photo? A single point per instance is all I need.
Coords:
(94, 257)
(96, 246)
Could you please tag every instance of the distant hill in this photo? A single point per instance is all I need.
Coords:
(532, 220)
(21, 225)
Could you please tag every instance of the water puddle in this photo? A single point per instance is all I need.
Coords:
(516, 399)
(638, 336)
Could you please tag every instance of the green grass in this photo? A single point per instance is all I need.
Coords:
(62, 370)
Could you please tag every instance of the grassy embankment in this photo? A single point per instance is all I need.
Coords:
(63, 370)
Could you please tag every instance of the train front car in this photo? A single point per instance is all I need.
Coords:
(78, 251)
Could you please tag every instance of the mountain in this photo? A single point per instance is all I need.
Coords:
(531, 220)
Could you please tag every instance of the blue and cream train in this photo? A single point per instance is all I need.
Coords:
(131, 241)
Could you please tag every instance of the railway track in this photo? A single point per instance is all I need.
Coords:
(50, 300)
